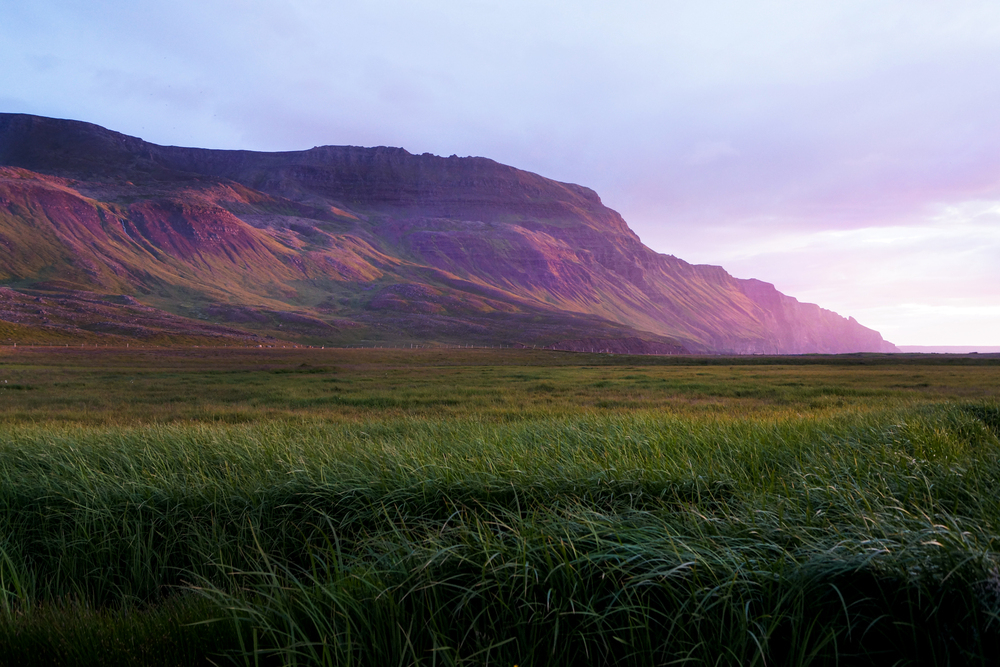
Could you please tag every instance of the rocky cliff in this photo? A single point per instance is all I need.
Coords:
(369, 244)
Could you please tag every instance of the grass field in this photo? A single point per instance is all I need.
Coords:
(501, 507)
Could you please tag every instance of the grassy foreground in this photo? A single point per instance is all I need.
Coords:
(376, 508)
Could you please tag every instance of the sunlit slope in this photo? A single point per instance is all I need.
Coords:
(413, 245)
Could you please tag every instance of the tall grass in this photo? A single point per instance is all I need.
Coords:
(861, 536)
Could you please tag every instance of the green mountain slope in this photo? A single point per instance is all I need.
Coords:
(346, 244)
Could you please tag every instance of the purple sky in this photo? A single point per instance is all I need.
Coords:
(848, 152)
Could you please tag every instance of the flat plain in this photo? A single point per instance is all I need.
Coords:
(496, 506)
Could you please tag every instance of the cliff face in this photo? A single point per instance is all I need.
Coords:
(802, 328)
(370, 244)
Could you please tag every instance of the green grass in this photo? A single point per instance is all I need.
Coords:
(485, 508)
(100, 386)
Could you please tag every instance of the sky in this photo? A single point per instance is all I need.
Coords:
(848, 152)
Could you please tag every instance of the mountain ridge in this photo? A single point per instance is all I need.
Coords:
(369, 244)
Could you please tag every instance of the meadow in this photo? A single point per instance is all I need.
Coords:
(496, 507)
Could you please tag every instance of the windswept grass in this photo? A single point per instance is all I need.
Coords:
(711, 528)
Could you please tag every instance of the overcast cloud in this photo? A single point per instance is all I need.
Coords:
(849, 151)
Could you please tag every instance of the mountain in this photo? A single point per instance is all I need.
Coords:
(347, 245)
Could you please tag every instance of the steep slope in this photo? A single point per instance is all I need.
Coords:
(373, 244)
